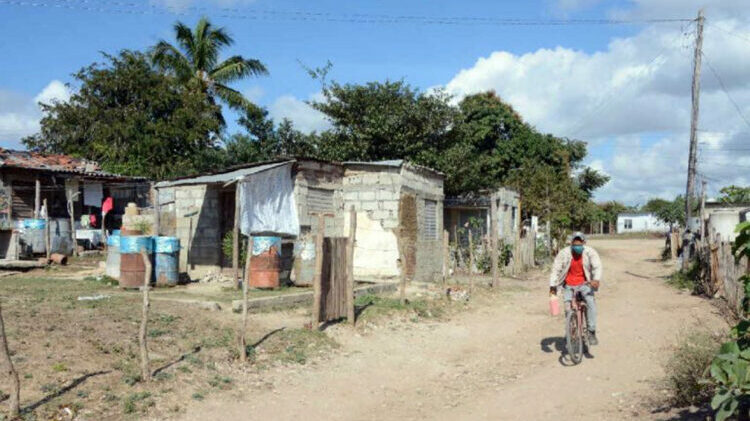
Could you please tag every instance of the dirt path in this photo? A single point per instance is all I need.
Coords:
(495, 362)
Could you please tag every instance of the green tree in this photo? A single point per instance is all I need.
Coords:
(133, 120)
(196, 59)
(735, 194)
(589, 180)
(672, 213)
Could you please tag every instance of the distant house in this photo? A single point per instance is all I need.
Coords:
(386, 195)
(27, 179)
(640, 222)
(722, 218)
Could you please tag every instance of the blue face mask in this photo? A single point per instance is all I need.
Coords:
(577, 249)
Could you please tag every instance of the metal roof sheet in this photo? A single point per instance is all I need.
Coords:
(57, 163)
(223, 177)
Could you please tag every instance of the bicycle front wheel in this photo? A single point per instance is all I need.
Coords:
(573, 338)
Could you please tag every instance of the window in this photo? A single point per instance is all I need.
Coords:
(628, 224)
(430, 220)
(320, 200)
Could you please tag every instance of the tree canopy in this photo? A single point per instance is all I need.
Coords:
(132, 119)
(735, 194)
(196, 59)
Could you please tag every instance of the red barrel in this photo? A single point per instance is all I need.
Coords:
(265, 262)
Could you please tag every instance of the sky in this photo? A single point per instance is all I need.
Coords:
(625, 89)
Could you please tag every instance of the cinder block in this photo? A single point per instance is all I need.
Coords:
(367, 195)
(369, 206)
(389, 223)
(351, 195)
(391, 205)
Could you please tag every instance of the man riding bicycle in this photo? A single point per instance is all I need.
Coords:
(578, 269)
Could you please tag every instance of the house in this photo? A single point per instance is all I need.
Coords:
(721, 218)
(385, 195)
(27, 179)
(640, 222)
(461, 210)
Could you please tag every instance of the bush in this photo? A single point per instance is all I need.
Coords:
(687, 369)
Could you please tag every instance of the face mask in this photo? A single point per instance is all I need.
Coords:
(577, 249)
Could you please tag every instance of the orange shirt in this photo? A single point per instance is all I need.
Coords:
(576, 276)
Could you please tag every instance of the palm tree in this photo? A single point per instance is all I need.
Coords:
(197, 61)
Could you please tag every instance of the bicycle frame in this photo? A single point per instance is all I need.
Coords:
(577, 337)
(579, 306)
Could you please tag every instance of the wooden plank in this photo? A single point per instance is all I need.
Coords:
(236, 235)
(320, 231)
(493, 241)
(350, 266)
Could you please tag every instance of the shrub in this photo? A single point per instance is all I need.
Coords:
(687, 369)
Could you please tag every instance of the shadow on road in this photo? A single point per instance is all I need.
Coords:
(558, 342)
(65, 389)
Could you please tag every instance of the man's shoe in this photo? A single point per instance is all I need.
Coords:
(592, 338)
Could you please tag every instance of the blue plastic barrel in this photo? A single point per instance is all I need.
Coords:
(167, 258)
(115, 233)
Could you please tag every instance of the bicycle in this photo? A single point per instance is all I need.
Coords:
(576, 331)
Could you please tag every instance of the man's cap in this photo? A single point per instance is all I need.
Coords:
(578, 235)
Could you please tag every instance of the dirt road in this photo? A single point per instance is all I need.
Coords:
(496, 362)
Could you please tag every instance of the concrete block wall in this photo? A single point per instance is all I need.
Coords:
(507, 211)
(319, 175)
(199, 234)
(426, 186)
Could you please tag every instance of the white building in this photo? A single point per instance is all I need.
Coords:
(640, 222)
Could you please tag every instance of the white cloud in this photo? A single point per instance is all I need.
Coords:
(20, 115)
(304, 117)
(55, 91)
(182, 5)
(636, 87)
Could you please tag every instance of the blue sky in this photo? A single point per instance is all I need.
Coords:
(606, 84)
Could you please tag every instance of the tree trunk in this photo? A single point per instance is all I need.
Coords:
(145, 372)
(493, 242)
(15, 384)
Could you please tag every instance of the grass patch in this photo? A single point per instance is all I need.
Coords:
(685, 280)
(421, 308)
(687, 369)
(131, 403)
(59, 367)
(296, 345)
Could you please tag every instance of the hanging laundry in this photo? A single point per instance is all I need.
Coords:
(107, 205)
(267, 203)
(93, 194)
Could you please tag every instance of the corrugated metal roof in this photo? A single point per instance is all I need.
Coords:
(223, 177)
(57, 163)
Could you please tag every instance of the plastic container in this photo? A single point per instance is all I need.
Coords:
(113, 256)
(554, 305)
(166, 259)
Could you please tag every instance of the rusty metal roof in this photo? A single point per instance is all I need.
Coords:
(55, 163)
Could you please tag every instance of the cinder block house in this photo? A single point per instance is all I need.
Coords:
(200, 212)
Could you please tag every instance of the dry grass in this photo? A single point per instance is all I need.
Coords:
(83, 355)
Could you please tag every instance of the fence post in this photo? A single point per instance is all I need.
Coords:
(317, 280)
(47, 241)
(493, 241)
(350, 266)
(245, 282)
(446, 258)
(145, 371)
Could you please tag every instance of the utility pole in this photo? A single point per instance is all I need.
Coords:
(694, 125)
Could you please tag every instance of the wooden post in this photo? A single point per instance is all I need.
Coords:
(37, 197)
(471, 261)
(145, 372)
(15, 384)
(245, 282)
(157, 213)
(47, 242)
(72, 227)
(517, 264)
(350, 265)
(317, 280)
(446, 258)
(402, 259)
(493, 241)
(236, 234)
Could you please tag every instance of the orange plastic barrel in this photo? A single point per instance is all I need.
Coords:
(265, 262)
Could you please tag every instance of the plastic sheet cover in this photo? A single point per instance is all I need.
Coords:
(267, 203)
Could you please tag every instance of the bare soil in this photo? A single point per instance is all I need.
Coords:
(501, 359)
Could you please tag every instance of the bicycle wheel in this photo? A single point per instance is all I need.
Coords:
(573, 338)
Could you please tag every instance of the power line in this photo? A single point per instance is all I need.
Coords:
(732, 33)
(726, 92)
(302, 15)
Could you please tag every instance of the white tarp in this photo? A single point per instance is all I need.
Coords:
(267, 202)
(93, 194)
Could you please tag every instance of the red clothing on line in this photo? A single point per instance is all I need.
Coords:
(576, 276)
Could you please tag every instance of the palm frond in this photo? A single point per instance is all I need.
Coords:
(184, 36)
(232, 97)
(168, 58)
(237, 67)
